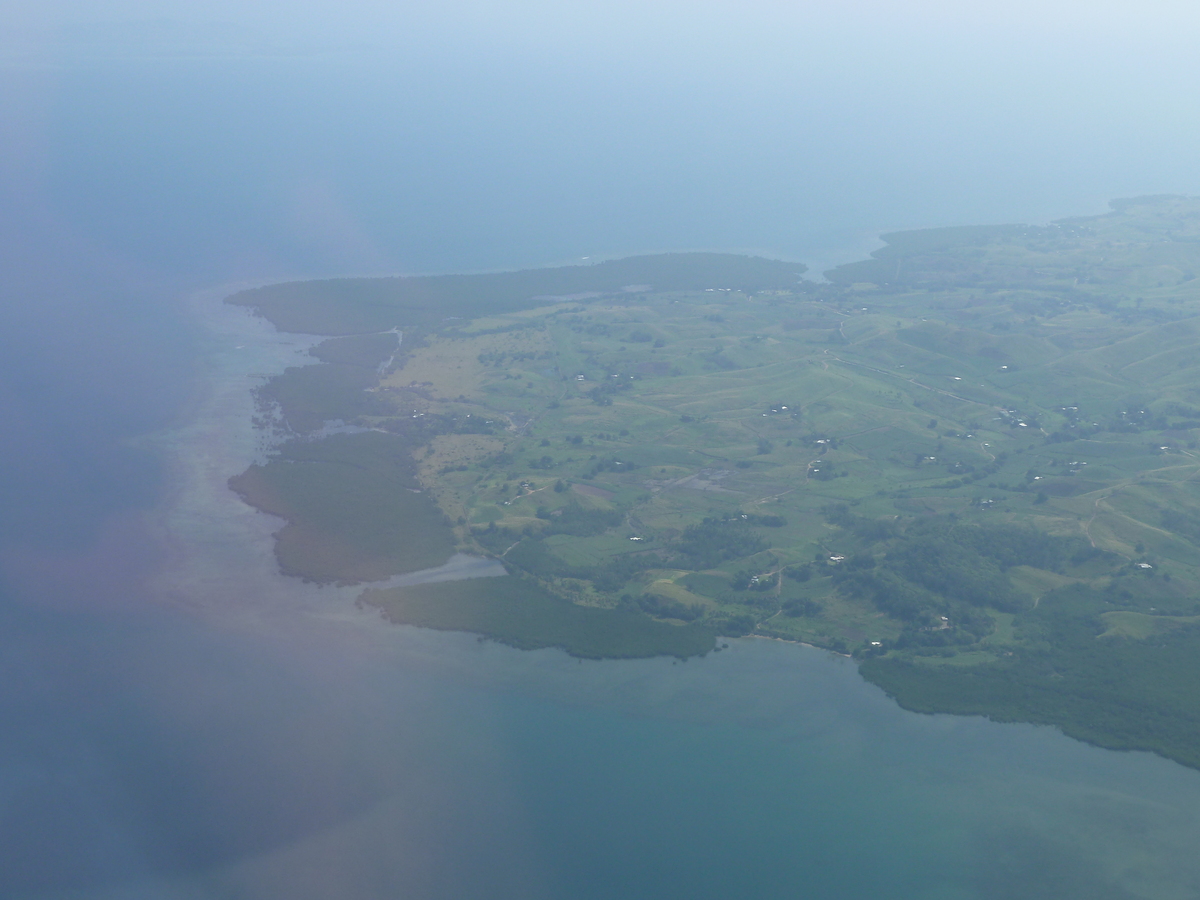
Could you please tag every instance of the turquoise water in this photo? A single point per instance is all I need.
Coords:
(167, 759)
(248, 738)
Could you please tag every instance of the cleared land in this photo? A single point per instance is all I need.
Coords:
(970, 461)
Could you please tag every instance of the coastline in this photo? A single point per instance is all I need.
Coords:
(221, 557)
(222, 567)
(220, 551)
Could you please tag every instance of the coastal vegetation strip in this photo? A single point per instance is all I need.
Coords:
(519, 613)
(349, 306)
(353, 509)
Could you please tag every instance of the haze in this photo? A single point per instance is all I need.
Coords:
(384, 137)
(180, 720)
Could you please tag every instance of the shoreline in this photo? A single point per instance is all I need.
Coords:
(221, 559)
(219, 551)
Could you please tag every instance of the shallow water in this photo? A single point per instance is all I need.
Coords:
(167, 757)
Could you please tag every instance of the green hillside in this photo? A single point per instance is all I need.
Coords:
(970, 461)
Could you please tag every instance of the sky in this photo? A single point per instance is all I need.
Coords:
(760, 32)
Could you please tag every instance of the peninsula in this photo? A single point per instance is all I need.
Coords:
(970, 461)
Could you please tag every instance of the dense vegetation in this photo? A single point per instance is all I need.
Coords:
(522, 614)
(351, 306)
(353, 508)
(969, 461)
(1121, 692)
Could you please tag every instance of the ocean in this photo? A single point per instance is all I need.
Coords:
(178, 721)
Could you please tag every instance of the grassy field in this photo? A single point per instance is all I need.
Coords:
(927, 461)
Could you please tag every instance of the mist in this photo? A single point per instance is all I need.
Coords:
(478, 136)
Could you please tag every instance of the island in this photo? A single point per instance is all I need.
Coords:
(970, 461)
